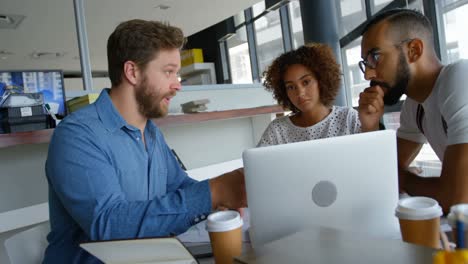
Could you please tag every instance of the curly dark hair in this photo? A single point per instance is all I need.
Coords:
(319, 59)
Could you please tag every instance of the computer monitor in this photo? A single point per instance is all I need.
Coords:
(49, 82)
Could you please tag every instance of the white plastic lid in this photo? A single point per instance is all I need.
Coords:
(418, 208)
(454, 211)
(223, 221)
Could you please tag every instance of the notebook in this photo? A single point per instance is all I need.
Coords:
(347, 182)
(167, 250)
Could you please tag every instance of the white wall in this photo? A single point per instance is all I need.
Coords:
(3, 236)
(211, 142)
(22, 182)
(221, 96)
(22, 176)
(73, 85)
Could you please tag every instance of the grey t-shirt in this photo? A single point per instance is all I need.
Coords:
(341, 121)
(448, 100)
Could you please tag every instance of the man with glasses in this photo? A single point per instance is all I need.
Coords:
(399, 58)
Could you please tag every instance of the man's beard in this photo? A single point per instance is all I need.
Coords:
(148, 102)
(395, 92)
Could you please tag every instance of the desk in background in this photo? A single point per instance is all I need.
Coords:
(330, 246)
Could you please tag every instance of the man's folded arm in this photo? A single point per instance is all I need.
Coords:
(90, 191)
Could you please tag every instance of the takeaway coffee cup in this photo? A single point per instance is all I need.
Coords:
(455, 212)
(419, 220)
(225, 229)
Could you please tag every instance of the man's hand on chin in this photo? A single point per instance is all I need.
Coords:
(371, 108)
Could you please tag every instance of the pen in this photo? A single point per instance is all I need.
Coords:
(444, 241)
(460, 230)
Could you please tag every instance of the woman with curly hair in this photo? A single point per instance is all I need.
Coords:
(306, 81)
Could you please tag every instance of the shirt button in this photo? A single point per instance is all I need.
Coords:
(197, 220)
(202, 217)
(137, 138)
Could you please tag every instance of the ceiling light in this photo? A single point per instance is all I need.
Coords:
(10, 21)
(162, 7)
(6, 19)
(4, 54)
(47, 55)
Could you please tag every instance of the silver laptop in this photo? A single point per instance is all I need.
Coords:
(347, 182)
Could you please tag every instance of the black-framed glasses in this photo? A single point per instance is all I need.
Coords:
(373, 56)
(370, 61)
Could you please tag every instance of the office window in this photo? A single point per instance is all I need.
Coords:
(224, 62)
(453, 35)
(265, 30)
(258, 8)
(451, 2)
(351, 13)
(269, 39)
(239, 18)
(426, 162)
(239, 57)
(354, 79)
(377, 5)
(296, 23)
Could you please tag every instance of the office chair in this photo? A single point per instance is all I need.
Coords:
(27, 247)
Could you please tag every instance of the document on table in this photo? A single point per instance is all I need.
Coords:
(198, 233)
(151, 250)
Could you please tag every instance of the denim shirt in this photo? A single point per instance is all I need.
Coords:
(105, 184)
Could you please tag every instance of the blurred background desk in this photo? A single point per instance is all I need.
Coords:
(246, 247)
(330, 246)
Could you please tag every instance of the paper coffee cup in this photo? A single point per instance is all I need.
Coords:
(456, 210)
(419, 220)
(225, 229)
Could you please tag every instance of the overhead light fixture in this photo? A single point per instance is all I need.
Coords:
(10, 21)
(4, 54)
(6, 19)
(47, 55)
(162, 7)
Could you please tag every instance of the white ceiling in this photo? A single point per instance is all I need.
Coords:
(49, 26)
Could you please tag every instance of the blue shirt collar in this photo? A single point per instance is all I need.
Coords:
(110, 117)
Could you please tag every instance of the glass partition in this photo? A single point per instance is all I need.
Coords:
(351, 13)
(453, 33)
(296, 23)
(239, 58)
(269, 39)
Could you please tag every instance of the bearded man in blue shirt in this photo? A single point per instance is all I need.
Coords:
(111, 174)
